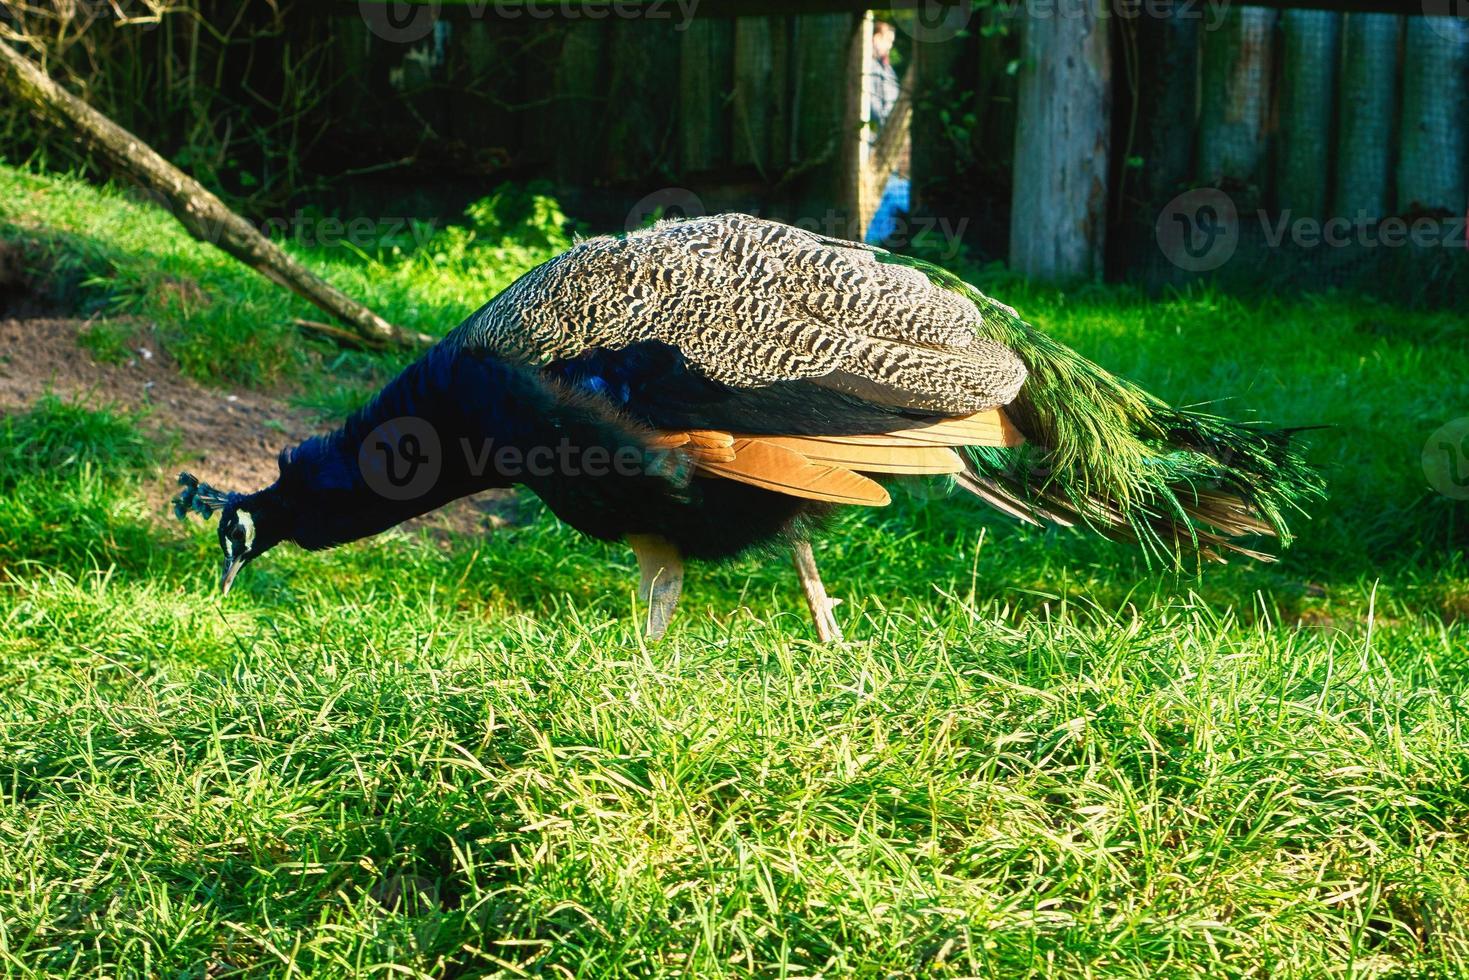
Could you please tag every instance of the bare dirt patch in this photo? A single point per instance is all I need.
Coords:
(229, 438)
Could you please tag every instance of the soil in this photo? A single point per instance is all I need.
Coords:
(229, 439)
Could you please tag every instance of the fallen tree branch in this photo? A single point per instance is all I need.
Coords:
(345, 338)
(202, 214)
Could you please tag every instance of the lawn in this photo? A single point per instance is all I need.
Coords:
(1035, 755)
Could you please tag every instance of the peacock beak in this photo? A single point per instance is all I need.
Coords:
(232, 568)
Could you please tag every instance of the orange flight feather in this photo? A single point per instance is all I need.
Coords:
(869, 458)
(988, 428)
(764, 464)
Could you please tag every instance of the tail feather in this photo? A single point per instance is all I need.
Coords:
(1103, 453)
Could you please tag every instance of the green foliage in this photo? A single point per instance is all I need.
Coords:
(212, 87)
(106, 340)
(99, 248)
(62, 470)
(57, 438)
(1105, 451)
(397, 757)
(508, 233)
(526, 216)
(1034, 756)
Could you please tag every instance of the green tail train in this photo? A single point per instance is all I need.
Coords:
(1106, 454)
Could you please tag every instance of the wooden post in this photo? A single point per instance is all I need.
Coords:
(1163, 139)
(1058, 217)
(1367, 112)
(202, 214)
(1311, 49)
(761, 125)
(706, 53)
(934, 66)
(827, 75)
(1168, 104)
(577, 114)
(1236, 103)
(996, 88)
(1435, 115)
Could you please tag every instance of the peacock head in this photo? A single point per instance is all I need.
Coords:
(246, 531)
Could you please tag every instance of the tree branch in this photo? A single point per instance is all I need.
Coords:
(202, 214)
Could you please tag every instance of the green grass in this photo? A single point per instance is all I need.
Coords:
(106, 250)
(1034, 756)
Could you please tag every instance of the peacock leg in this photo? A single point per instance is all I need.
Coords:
(821, 605)
(662, 579)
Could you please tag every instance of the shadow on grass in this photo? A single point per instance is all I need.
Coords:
(69, 477)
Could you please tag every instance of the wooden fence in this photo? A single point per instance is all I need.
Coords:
(753, 112)
(1083, 133)
(1308, 119)
(1054, 133)
(1057, 134)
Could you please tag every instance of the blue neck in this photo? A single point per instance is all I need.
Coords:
(419, 444)
(459, 421)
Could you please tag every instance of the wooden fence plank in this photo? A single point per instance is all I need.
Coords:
(1367, 113)
(824, 121)
(579, 121)
(1236, 103)
(1311, 48)
(640, 144)
(760, 125)
(705, 68)
(1059, 213)
(1167, 108)
(938, 95)
(1163, 139)
(1432, 163)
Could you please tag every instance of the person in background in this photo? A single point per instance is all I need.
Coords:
(883, 89)
(882, 80)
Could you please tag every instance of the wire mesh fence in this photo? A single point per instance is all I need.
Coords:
(1339, 141)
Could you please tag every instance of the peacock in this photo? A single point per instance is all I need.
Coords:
(707, 386)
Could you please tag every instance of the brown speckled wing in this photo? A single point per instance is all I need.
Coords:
(751, 302)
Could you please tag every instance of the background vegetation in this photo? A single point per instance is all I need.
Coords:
(1034, 754)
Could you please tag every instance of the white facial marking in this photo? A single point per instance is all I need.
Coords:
(247, 523)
